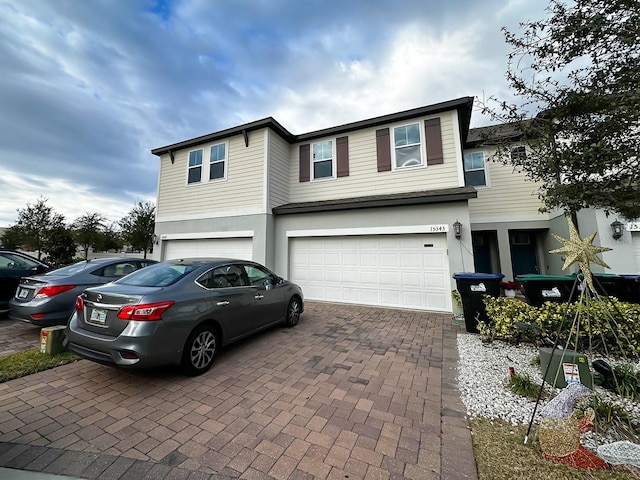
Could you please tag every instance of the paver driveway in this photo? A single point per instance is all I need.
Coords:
(351, 393)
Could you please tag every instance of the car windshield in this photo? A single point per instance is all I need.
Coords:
(70, 269)
(158, 275)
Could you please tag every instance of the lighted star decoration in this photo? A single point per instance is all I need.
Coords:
(580, 250)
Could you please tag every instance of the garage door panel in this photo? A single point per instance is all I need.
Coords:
(316, 275)
(351, 277)
(412, 279)
(241, 248)
(389, 260)
(408, 271)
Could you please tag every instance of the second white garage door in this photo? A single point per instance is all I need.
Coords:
(241, 248)
(406, 271)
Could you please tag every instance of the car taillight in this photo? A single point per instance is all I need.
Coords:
(52, 290)
(144, 312)
(79, 303)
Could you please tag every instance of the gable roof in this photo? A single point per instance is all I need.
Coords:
(463, 105)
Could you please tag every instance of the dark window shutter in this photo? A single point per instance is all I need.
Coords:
(434, 141)
(383, 148)
(342, 154)
(305, 161)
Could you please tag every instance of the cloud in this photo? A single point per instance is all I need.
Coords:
(89, 88)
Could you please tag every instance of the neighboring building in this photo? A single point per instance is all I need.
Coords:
(358, 213)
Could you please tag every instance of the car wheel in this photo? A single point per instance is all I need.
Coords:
(293, 313)
(200, 350)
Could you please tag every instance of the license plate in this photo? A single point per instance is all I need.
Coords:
(22, 293)
(98, 316)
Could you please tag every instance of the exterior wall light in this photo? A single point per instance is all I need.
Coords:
(616, 228)
(457, 229)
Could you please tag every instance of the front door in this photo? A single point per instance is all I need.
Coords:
(524, 258)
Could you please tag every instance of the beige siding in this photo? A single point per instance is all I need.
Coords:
(240, 193)
(364, 178)
(507, 196)
(279, 154)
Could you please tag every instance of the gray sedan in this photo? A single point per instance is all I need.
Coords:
(48, 299)
(180, 312)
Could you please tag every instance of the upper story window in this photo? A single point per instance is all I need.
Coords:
(217, 162)
(474, 173)
(407, 146)
(519, 153)
(323, 160)
(195, 166)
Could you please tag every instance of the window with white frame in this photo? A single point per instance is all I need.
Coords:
(195, 166)
(217, 162)
(474, 173)
(323, 160)
(519, 153)
(407, 146)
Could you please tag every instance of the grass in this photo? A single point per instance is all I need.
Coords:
(502, 455)
(31, 361)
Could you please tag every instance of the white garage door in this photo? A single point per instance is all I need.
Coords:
(241, 248)
(407, 271)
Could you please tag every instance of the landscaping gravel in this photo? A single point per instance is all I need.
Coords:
(483, 373)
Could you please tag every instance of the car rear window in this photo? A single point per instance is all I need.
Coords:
(70, 269)
(158, 275)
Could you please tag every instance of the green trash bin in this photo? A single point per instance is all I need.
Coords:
(472, 287)
(538, 289)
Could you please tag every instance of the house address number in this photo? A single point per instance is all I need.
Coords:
(633, 227)
(437, 228)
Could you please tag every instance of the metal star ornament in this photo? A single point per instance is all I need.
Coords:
(581, 251)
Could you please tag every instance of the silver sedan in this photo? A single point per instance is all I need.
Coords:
(179, 312)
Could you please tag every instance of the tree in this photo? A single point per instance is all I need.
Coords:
(34, 223)
(12, 238)
(578, 73)
(59, 244)
(111, 238)
(88, 231)
(138, 227)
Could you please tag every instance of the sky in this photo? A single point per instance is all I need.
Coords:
(89, 87)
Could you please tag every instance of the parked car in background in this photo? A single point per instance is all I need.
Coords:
(13, 266)
(49, 299)
(179, 312)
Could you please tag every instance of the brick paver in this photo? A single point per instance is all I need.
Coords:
(363, 392)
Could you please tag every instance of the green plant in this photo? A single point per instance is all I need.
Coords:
(609, 416)
(624, 381)
(457, 298)
(525, 386)
(607, 326)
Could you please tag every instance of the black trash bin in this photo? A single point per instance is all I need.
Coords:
(625, 288)
(538, 289)
(472, 287)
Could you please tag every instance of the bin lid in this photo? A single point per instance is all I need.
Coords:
(532, 277)
(478, 276)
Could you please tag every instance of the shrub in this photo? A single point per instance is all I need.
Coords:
(607, 326)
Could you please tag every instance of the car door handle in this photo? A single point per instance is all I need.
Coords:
(259, 297)
(224, 303)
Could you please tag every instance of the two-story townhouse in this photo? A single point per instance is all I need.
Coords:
(380, 212)
(359, 213)
(509, 232)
